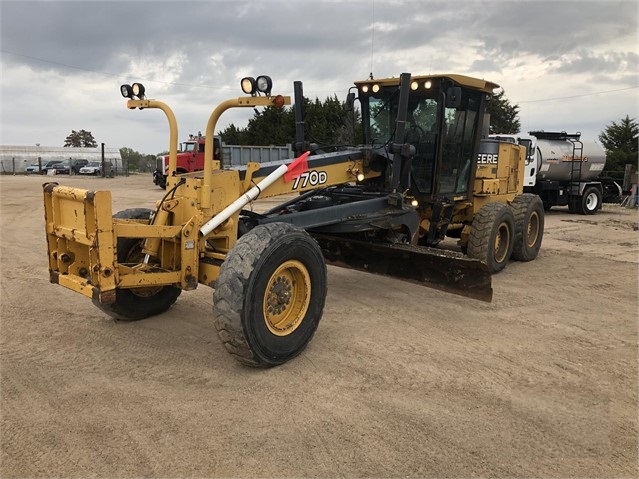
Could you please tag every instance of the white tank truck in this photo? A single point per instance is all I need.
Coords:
(563, 169)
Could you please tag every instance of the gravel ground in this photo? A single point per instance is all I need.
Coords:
(399, 381)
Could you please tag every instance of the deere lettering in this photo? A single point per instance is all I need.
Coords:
(485, 158)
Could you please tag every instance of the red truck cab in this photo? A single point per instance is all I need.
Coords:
(190, 158)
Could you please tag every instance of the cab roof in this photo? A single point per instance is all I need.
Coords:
(461, 80)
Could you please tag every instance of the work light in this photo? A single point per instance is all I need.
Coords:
(126, 91)
(135, 90)
(264, 84)
(252, 86)
(138, 90)
(248, 85)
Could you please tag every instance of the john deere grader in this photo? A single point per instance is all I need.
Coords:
(425, 170)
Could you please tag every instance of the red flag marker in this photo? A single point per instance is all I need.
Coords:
(297, 167)
(290, 172)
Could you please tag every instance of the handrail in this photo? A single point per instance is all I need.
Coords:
(173, 130)
(242, 102)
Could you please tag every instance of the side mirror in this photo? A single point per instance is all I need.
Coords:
(350, 102)
(453, 97)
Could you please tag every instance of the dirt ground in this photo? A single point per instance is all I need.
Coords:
(399, 381)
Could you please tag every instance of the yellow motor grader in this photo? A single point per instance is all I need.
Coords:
(425, 170)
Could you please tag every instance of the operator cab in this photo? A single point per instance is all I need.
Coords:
(442, 127)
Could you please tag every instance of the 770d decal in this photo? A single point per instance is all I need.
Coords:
(312, 178)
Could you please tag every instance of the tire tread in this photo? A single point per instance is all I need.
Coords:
(235, 274)
(479, 242)
(520, 206)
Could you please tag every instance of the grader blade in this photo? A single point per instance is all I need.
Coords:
(434, 268)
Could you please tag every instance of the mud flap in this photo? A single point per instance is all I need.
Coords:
(434, 268)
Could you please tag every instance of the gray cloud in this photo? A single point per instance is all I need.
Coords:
(194, 53)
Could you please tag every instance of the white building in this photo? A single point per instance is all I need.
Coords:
(16, 158)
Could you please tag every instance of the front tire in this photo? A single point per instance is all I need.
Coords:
(137, 303)
(270, 294)
(528, 211)
(492, 236)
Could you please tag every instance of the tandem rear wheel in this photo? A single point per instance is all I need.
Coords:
(492, 236)
(528, 210)
(586, 204)
(269, 296)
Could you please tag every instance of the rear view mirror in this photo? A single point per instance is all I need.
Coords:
(453, 97)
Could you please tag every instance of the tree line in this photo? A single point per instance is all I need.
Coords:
(328, 125)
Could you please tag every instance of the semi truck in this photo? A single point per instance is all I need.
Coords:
(190, 157)
(564, 169)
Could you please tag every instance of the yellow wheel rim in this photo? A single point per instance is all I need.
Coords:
(502, 242)
(532, 231)
(287, 296)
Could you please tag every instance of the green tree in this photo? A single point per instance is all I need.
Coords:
(621, 142)
(80, 139)
(504, 116)
(233, 135)
(324, 120)
(326, 123)
(271, 126)
(137, 161)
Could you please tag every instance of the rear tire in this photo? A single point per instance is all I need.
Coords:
(573, 204)
(137, 303)
(528, 211)
(590, 201)
(270, 294)
(492, 236)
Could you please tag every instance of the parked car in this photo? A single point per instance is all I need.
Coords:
(76, 165)
(60, 169)
(95, 168)
(45, 166)
(50, 165)
(91, 168)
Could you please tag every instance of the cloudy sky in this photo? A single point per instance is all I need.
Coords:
(570, 65)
